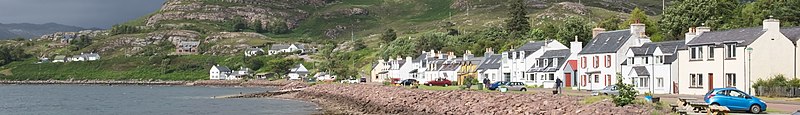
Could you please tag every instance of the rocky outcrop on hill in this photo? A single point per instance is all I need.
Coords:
(266, 11)
(371, 99)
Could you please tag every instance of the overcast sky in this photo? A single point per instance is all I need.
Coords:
(83, 13)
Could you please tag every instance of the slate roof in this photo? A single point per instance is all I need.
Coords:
(284, 46)
(296, 69)
(607, 42)
(533, 46)
(90, 55)
(451, 65)
(421, 57)
(493, 61)
(742, 36)
(641, 71)
(792, 33)
(223, 69)
(549, 55)
(666, 47)
(556, 53)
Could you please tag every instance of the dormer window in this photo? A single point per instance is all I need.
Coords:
(555, 61)
(696, 53)
(659, 59)
(730, 51)
(646, 60)
(546, 63)
(631, 61)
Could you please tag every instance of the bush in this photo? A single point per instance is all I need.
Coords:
(626, 92)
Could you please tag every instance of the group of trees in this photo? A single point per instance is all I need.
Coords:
(726, 14)
(274, 26)
(124, 29)
(11, 54)
(80, 42)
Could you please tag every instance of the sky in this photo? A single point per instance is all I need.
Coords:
(81, 13)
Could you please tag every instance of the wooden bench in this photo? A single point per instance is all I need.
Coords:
(718, 110)
(699, 106)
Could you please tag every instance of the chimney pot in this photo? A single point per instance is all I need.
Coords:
(596, 31)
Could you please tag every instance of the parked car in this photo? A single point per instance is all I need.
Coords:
(516, 86)
(735, 99)
(409, 82)
(352, 81)
(495, 85)
(609, 90)
(439, 82)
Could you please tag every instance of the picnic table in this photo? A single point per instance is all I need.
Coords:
(699, 106)
(718, 110)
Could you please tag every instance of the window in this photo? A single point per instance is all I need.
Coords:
(631, 61)
(546, 64)
(608, 61)
(596, 60)
(596, 78)
(730, 80)
(660, 82)
(644, 82)
(646, 60)
(551, 77)
(710, 52)
(659, 59)
(555, 62)
(583, 62)
(583, 80)
(697, 80)
(730, 51)
(696, 53)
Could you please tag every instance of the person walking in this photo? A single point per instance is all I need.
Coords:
(486, 82)
(558, 85)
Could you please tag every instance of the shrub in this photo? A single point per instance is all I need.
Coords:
(626, 92)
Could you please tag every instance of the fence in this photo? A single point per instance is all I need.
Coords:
(778, 91)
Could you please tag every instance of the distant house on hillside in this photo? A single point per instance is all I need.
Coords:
(241, 73)
(285, 48)
(60, 58)
(253, 52)
(187, 47)
(85, 57)
(219, 72)
(298, 72)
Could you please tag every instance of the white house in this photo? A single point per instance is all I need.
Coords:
(379, 72)
(253, 52)
(717, 59)
(491, 67)
(400, 68)
(298, 72)
(600, 60)
(219, 72)
(517, 62)
(285, 48)
(322, 76)
(60, 58)
(85, 57)
(550, 67)
(652, 67)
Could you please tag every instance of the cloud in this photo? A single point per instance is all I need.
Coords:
(84, 13)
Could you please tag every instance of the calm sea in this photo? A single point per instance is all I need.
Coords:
(139, 100)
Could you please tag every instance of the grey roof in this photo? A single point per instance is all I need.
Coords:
(559, 54)
(493, 61)
(641, 71)
(451, 65)
(223, 69)
(792, 33)
(670, 59)
(255, 49)
(742, 36)
(533, 45)
(556, 53)
(650, 48)
(607, 42)
(284, 46)
(189, 43)
(91, 55)
(421, 57)
(60, 57)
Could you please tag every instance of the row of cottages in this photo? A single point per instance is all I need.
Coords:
(602, 58)
(218, 72)
(76, 58)
(738, 57)
(286, 48)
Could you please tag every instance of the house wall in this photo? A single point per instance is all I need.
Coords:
(601, 71)
(717, 67)
(770, 56)
(494, 75)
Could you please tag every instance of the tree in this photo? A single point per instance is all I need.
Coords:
(11, 54)
(124, 29)
(430, 41)
(754, 13)
(359, 44)
(626, 92)
(257, 26)
(239, 24)
(81, 42)
(389, 36)
(681, 15)
(652, 29)
(518, 24)
(611, 23)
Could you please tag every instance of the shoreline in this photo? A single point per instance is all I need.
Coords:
(215, 83)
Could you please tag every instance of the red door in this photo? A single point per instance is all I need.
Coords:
(568, 77)
(608, 80)
(710, 81)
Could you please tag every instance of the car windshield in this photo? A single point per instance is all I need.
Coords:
(610, 87)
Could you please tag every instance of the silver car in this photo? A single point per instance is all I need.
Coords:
(516, 86)
(609, 90)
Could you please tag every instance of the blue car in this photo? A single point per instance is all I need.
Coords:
(495, 85)
(735, 99)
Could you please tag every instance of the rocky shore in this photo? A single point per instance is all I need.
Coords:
(282, 84)
(374, 99)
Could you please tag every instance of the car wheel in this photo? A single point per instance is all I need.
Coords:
(605, 93)
(523, 89)
(445, 85)
(430, 84)
(755, 109)
(715, 104)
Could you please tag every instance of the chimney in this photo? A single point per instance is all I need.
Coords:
(441, 55)
(488, 52)
(702, 29)
(408, 59)
(399, 58)
(690, 35)
(451, 55)
(772, 24)
(432, 54)
(596, 31)
(575, 46)
(637, 29)
(468, 55)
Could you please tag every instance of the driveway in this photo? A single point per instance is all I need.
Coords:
(782, 107)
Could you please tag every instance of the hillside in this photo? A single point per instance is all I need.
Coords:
(227, 27)
(27, 30)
